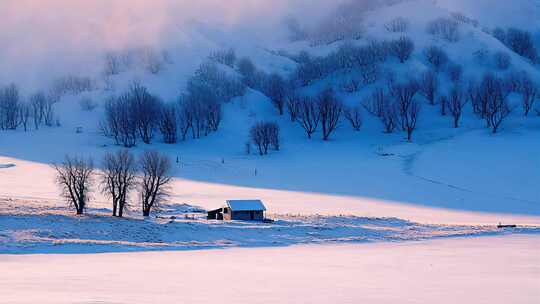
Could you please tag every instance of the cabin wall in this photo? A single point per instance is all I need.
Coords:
(246, 215)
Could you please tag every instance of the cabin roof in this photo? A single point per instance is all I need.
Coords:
(246, 205)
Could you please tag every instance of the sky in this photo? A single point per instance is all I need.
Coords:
(45, 39)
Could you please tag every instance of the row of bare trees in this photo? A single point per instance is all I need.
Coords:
(325, 110)
(121, 174)
(138, 114)
(397, 108)
(134, 114)
(17, 112)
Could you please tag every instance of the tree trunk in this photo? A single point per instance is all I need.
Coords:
(146, 212)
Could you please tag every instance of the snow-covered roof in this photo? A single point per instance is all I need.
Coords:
(246, 205)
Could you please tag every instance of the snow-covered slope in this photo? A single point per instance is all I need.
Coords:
(365, 173)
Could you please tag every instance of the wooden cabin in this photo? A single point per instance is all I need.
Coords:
(242, 210)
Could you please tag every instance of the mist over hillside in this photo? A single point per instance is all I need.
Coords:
(46, 41)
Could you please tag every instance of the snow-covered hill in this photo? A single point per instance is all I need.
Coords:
(442, 176)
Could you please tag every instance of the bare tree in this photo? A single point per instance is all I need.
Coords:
(10, 102)
(436, 56)
(38, 103)
(456, 102)
(265, 135)
(354, 116)
(529, 93)
(118, 178)
(402, 48)
(258, 136)
(119, 122)
(445, 28)
(293, 106)
(273, 134)
(382, 107)
(25, 111)
(429, 85)
(146, 109)
(397, 25)
(113, 64)
(330, 110)
(168, 124)
(498, 110)
(308, 115)
(75, 178)
(375, 104)
(276, 89)
(156, 177)
(407, 107)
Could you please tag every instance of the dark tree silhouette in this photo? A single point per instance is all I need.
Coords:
(75, 178)
(118, 178)
(155, 169)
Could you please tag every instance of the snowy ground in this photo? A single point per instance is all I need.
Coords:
(364, 217)
(487, 270)
(27, 230)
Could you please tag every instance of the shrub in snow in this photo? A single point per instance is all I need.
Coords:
(444, 28)
(397, 25)
(402, 48)
(436, 56)
(265, 135)
(75, 177)
(502, 60)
